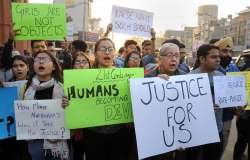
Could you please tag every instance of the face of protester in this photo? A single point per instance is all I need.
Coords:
(38, 46)
(134, 60)
(212, 61)
(226, 56)
(43, 66)
(169, 60)
(130, 48)
(81, 62)
(20, 70)
(105, 54)
(147, 49)
(183, 54)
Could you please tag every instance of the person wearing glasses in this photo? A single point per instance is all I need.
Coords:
(168, 63)
(106, 142)
(129, 45)
(133, 60)
(46, 83)
(81, 61)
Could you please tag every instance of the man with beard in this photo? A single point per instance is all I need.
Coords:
(226, 49)
(226, 46)
(183, 66)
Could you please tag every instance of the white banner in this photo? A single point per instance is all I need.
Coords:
(131, 21)
(40, 119)
(230, 91)
(172, 114)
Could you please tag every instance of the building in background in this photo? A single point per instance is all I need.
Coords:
(207, 13)
(85, 27)
(240, 30)
(207, 16)
(185, 36)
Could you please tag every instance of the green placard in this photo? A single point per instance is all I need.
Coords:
(39, 21)
(99, 97)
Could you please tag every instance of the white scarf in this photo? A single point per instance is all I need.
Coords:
(37, 86)
(59, 148)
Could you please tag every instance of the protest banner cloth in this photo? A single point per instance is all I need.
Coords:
(172, 114)
(7, 117)
(40, 119)
(20, 87)
(39, 21)
(98, 97)
(131, 21)
(230, 91)
(246, 74)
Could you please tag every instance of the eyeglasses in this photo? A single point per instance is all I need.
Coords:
(78, 62)
(40, 46)
(106, 50)
(42, 60)
(172, 55)
(135, 59)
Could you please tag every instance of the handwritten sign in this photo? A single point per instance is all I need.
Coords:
(20, 87)
(39, 21)
(98, 97)
(40, 119)
(7, 118)
(172, 114)
(246, 74)
(131, 21)
(230, 91)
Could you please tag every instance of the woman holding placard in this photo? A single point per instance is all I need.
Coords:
(45, 83)
(106, 142)
(81, 61)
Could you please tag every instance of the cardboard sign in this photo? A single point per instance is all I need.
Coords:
(39, 21)
(131, 21)
(98, 97)
(230, 91)
(246, 74)
(172, 114)
(40, 119)
(7, 117)
(20, 87)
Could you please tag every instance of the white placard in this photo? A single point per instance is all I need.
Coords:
(40, 119)
(230, 91)
(131, 21)
(172, 114)
(20, 87)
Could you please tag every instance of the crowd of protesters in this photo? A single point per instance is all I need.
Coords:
(42, 68)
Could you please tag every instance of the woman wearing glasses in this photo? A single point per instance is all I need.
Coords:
(45, 83)
(133, 60)
(106, 142)
(81, 61)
